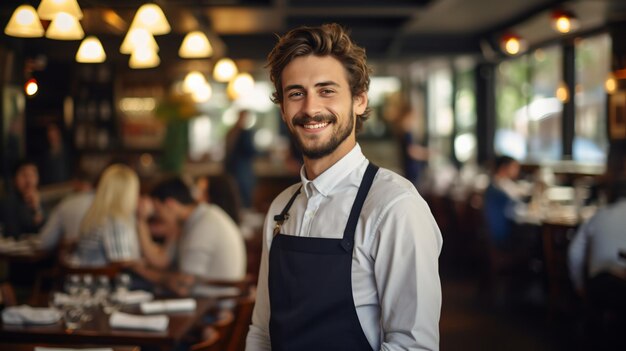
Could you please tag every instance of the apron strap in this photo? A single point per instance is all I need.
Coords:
(348, 233)
(284, 214)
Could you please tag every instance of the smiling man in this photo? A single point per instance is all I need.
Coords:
(350, 254)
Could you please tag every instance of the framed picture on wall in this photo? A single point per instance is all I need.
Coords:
(617, 116)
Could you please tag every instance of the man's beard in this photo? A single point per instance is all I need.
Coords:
(338, 136)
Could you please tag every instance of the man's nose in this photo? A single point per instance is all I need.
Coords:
(312, 105)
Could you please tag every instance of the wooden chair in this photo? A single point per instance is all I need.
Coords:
(7, 295)
(211, 343)
(224, 327)
(243, 318)
(561, 294)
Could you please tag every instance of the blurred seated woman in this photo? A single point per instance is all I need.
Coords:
(108, 232)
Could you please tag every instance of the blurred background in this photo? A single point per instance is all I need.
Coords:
(455, 85)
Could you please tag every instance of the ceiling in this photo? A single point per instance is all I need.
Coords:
(390, 30)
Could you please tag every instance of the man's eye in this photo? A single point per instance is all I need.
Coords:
(327, 91)
(295, 94)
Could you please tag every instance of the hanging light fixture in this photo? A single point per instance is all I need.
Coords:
(564, 21)
(137, 38)
(242, 84)
(196, 84)
(195, 45)
(48, 9)
(562, 92)
(151, 18)
(24, 23)
(225, 70)
(65, 27)
(512, 44)
(91, 51)
(610, 84)
(192, 81)
(144, 58)
(31, 87)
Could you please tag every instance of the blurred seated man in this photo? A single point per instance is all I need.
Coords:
(63, 223)
(500, 199)
(595, 265)
(204, 242)
(22, 212)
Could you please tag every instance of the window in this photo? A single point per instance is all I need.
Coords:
(439, 110)
(465, 115)
(592, 67)
(511, 98)
(545, 111)
(529, 114)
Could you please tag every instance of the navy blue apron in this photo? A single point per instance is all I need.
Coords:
(310, 287)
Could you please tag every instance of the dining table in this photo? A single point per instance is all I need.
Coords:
(10, 346)
(98, 330)
(23, 250)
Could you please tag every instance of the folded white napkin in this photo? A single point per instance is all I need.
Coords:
(42, 348)
(133, 296)
(25, 314)
(63, 299)
(172, 305)
(131, 321)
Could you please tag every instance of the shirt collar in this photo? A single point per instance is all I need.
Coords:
(326, 181)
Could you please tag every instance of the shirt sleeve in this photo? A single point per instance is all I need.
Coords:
(576, 255)
(52, 231)
(259, 334)
(406, 251)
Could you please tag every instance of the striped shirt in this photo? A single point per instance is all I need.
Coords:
(114, 240)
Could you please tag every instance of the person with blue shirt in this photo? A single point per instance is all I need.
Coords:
(499, 201)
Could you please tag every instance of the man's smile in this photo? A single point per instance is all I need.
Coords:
(315, 125)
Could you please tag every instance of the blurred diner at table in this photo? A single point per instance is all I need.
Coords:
(110, 229)
(596, 255)
(22, 210)
(501, 198)
(63, 224)
(202, 241)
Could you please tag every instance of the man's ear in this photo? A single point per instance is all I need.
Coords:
(359, 103)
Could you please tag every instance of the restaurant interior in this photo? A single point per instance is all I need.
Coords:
(541, 81)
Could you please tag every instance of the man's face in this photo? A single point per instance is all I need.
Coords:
(164, 212)
(318, 107)
(27, 178)
(513, 170)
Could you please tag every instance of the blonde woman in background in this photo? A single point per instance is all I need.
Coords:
(109, 230)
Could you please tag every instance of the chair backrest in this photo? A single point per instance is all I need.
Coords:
(67, 267)
(7, 294)
(243, 318)
(223, 325)
(210, 343)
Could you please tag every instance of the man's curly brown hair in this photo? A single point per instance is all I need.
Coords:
(328, 39)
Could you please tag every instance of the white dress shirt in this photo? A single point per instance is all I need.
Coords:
(597, 244)
(395, 278)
